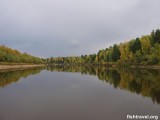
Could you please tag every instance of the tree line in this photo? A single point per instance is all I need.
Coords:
(140, 51)
(144, 51)
(8, 55)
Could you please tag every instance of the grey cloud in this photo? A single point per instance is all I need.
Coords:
(68, 27)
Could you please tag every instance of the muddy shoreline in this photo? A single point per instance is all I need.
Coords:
(21, 66)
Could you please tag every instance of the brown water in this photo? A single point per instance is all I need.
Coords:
(78, 93)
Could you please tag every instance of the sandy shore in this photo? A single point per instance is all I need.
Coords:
(8, 67)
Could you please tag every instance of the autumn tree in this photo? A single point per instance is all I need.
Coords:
(115, 55)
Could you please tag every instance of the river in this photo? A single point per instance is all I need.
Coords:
(78, 93)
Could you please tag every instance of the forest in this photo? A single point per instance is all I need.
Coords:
(143, 50)
(140, 51)
(8, 55)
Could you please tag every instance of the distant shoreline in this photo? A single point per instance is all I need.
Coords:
(18, 66)
(15, 66)
(112, 66)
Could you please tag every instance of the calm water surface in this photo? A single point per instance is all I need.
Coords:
(78, 93)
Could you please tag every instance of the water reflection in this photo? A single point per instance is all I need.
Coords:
(8, 77)
(141, 81)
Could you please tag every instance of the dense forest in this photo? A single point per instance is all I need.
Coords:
(8, 55)
(140, 51)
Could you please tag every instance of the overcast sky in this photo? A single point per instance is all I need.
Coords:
(55, 28)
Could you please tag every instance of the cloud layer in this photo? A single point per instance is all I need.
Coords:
(74, 27)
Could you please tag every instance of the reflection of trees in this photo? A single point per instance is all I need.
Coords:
(9, 77)
(140, 81)
(144, 82)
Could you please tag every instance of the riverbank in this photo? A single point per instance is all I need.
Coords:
(18, 66)
(112, 66)
(146, 66)
(12, 66)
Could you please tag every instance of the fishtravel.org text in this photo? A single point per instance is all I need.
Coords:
(142, 117)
